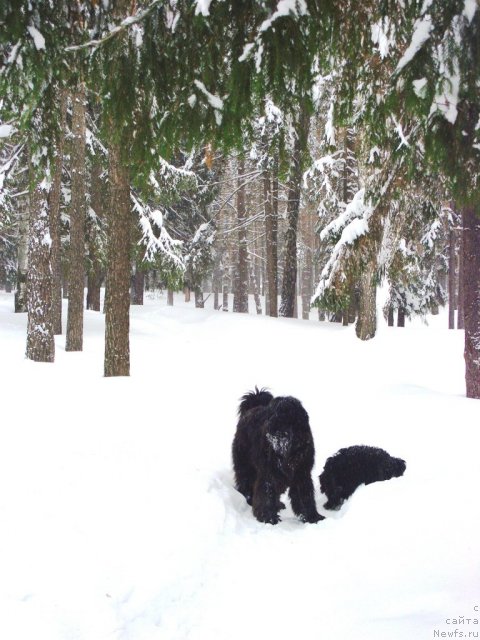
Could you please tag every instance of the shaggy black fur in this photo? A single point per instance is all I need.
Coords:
(272, 451)
(353, 466)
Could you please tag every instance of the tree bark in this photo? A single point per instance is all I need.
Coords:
(22, 263)
(240, 293)
(471, 293)
(117, 302)
(451, 280)
(199, 300)
(366, 325)
(138, 286)
(256, 294)
(170, 297)
(390, 318)
(287, 305)
(54, 200)
(401, 317)
(40, 338)
(461, 305)
(95, 271)
(225, 298)
(271, 245)
(76, 284)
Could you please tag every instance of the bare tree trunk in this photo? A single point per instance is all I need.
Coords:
(117, 302)
(391, 319)
(451, 280)
(199, 300)
(138, 286)
(307, 284)
(22, 263)
(40, 338)
(461, 305)
(256, 294)
(95, 271)
(170, 297)
(271, 248)
(287, 305)
(401, 317)
(366, 325)
(471, 292)
(225, 298)
(76, 284)
(54, 200)
(240, 292)
(187, 294)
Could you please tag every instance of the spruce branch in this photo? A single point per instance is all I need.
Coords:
(124, 25)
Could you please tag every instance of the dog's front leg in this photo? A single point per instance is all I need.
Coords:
(266, 500)
(302, 498)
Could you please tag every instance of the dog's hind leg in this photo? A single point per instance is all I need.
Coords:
(302, 498)
(245, 473)
(266, 500)
(244, 482)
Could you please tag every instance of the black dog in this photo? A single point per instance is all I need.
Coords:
(353, 466)
(272, 451)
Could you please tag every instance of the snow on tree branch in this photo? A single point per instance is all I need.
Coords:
(155, 237)
(422, 30)
(124, 25)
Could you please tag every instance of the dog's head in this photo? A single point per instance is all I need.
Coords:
(392, 468)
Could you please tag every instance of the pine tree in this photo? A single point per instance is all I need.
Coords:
(40, 340)
(74, 335)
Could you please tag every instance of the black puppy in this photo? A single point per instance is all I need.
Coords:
(272, 451)
(353, 466)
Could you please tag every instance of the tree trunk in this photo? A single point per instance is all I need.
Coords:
(225, 298)
(138, 286)
(240, 292)
(366, 325)
(22, 263)
(199, 301)
(451, 280)
(95, 271)
(287, 305)
(401, 317)
(170, 297)
(391, 319)
(461, 305)
(256, 294)
(117, 302)
(271, 246)
(471, 293)
(187, 294)
(76, 284)
(54, 200)
(40, 339)
(307, 283)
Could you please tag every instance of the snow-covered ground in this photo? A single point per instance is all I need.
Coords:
(118, 518)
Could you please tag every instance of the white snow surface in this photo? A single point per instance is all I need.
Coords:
(119, 518)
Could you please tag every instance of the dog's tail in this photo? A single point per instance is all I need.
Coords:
(257, 398)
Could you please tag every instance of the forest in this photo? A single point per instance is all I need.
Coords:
(304, 152)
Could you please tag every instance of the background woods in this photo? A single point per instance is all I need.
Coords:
(222, 148)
